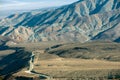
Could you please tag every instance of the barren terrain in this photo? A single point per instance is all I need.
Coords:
(61, 68)
(62, 61)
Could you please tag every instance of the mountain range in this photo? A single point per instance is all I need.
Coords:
(83, 21)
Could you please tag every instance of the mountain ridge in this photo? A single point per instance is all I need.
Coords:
(79, 21)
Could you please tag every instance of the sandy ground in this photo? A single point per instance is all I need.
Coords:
(61, 67)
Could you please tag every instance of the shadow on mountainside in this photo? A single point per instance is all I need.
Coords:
(14, 62)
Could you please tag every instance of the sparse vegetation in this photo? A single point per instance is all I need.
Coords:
(74, 61)
(90, 50)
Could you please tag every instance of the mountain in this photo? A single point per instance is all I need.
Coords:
(79, 21)
(3, 40)
(112, 34)
(117, 40)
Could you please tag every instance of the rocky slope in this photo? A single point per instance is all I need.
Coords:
(80, 21)
(4, 40)
(112, 34)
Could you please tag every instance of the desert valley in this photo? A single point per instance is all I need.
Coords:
(77, 41)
